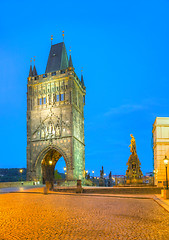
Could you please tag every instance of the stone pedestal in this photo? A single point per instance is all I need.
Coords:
(45, 190)
(165, 193)
(49, 185)
(79, 186)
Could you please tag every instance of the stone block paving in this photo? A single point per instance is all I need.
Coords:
(53, 216)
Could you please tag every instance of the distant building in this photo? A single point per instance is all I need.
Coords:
(160, 148)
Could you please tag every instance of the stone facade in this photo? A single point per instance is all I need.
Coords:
(55, 118)
(160, 149)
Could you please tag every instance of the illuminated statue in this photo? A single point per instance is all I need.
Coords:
(133, 144)
(133, 174)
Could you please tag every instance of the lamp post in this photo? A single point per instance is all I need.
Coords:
(86, 174)
(65, 171)
(166, 164)
(93, 174)
(21, 171)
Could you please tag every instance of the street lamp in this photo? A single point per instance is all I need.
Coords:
(21, 171)
(86, 174)
(93, 173)
(166, 164)
(65, 171)
(50, 163)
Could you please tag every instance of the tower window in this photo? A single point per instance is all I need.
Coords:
(57, 98)
(62, 97)
(44, 100)
(40, 101)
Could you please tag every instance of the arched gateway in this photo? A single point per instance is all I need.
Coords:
(55, 118)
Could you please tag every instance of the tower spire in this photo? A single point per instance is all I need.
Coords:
(30, 71)
(34, 69)
(70, 60)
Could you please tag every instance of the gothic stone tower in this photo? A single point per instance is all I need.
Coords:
(55, 117)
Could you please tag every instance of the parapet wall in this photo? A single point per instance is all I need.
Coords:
(15, 184)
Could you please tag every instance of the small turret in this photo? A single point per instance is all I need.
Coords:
(70, 66)
(34, 69)
(82, 81)
(30, 70)
(70, 62)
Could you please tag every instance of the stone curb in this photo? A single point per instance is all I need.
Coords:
(87, 195)
(161, 202)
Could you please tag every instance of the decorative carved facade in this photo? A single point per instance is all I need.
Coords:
(55, 116)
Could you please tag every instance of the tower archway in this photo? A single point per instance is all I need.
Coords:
(48, 165)
(46, 162)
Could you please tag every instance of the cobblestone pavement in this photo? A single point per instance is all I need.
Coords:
(54, 216)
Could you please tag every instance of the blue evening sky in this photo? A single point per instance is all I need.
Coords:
(123, 47)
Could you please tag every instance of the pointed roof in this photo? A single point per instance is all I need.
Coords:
(70, 62)
(30, 71)
(57, 59)
(34, 71)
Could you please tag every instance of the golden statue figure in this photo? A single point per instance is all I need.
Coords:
(133, 144)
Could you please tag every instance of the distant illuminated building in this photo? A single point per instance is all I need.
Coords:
(160, 148)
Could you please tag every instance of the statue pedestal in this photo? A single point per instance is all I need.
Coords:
(134, 173)
(79, 187)
(165, 193)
